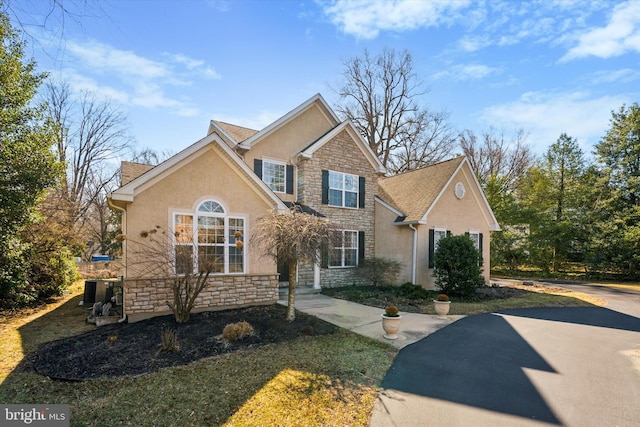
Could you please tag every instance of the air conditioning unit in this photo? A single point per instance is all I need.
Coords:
(98, 290)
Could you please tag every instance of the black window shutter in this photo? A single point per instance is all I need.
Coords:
(324, 256)
(448, 233)
(361, 195)
(257, 167)
(325, 187)
(289, 179)
(431, 251)
(360, 247)
(480, 248)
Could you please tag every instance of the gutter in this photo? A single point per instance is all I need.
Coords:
(117, 208)
(414, 253)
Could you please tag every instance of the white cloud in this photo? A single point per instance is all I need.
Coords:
(546, 115)
(197, 66)
(466, 72)
(103, 58)
(133, 79)
(365, 19)
(620, 35)
(625, 75)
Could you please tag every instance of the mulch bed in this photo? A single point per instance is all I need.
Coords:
(136, 348)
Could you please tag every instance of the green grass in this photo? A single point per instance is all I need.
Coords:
(412, 300)
(314, 381)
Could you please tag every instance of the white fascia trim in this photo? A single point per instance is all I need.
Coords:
(364, 147)
(222, 133)
(130, 188)
(286, 118)
(442, 190)
(128, 192)
(388, 206)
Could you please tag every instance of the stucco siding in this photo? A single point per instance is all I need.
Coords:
(393, 242)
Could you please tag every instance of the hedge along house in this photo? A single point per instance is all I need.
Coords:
(416, 209)
(219, 187)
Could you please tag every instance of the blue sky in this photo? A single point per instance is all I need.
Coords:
(544, 66)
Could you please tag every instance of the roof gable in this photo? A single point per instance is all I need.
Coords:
(237, 133)
(128, 191)
(316, 101)
(347, 125)
(416, 192)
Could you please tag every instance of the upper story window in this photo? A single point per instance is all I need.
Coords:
(277, 175)
(343, 189)
(273, 174)
(209, 239)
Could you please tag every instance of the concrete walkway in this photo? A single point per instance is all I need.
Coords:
(365, 320)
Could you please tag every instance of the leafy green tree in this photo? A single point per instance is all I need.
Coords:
(28, 165)
(617, 207)
(554, 194)
(457, 266)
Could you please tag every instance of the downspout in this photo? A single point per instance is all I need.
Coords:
(112, 206)
(414, 254)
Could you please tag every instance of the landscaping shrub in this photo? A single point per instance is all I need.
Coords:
(411, 291)
(380, 271)
(236, 331)
(169, 339)
(457, 269)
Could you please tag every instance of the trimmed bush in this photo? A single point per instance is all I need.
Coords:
(236, 331)
(457, 270)
(380, 271)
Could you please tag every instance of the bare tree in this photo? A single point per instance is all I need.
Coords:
(428, 140)
(379, 94)
(169, 254)
(90, 135)
(496, 158)
(292, 237)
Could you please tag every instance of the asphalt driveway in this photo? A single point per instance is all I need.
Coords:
(525, 367)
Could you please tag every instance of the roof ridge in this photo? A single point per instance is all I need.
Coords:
(424, 167)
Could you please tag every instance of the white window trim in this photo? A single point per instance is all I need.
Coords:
(436, 236)
(227, 244)
(278, 163)
(343, 190)
(477, 240)
(343, 249)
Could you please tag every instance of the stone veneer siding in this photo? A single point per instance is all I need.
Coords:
(146, 297)
(341, 154)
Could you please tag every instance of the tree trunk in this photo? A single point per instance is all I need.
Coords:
(291, 301)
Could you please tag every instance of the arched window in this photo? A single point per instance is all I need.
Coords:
(210, 240)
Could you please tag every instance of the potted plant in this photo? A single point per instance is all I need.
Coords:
(441, 305)
(391, 322)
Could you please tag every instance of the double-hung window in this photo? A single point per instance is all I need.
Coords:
(475, 238)
(435, 235)
(345, 253)
(273, 174)
(343, 189)
(208, 240)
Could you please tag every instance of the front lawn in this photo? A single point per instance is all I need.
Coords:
(312, 380)
(413, 299)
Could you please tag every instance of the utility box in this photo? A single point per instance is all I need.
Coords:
(98, 290)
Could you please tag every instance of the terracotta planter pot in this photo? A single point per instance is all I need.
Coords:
(442, 307)
(391, 326)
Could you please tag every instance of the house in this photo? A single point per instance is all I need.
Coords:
(219, 187)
